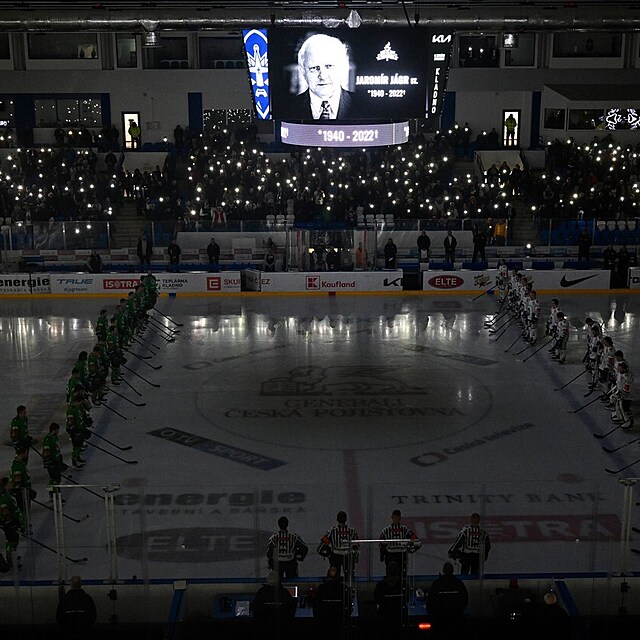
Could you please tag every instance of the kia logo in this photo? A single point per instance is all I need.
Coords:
(441, 38)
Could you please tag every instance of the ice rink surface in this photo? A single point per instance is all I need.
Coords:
(302, 406)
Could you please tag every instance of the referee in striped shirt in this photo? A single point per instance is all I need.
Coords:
(284, 550)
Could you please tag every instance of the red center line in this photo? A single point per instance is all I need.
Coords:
(354, 497)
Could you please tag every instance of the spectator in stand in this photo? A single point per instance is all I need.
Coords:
(76, 612)
(134, 132)
(450, 244)
(624, 261)
(424, 246)
(213, 252)
(274, 609)
(95, 262)
(361, 257)
(144, 250)
(479, 244)
(178, 137)
(391, 607)
(447, 599)
(515, 180)
(174, 251)
(609, 258)
(553, 622)
(390, 252)
(516, 609)
(493, 139)
(584, 245)
(332, 607)
(500, 233)
(110, 162)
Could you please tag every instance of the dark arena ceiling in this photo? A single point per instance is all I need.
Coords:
(467, 15)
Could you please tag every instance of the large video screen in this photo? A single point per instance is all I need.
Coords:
(369, 73)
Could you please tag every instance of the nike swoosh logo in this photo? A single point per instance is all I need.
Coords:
(569, 283)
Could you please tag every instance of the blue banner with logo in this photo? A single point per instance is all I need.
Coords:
(256, 47)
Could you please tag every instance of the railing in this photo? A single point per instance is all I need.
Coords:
(56, 236)
(70, 235)
(221, 532)
(563, 232)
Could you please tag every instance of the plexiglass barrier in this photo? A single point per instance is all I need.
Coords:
(137, 529)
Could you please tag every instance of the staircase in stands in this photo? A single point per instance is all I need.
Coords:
(127, 228)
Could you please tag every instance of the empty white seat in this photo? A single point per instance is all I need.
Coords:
(360, 219)
(601, 224)
(622, 225)
(370, 219)
(611, 225)
(631, 225)
(271, 220)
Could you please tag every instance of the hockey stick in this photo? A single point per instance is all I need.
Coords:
(178, 324)
(608, 433)
(131, 387)
(484, 292)
(47, 506)
(498, 315)
(141, 377)
(584, 406)
(112, 454)
(113, 444)
(570, 381)
(502, 333)
(616, 471)
(104, 404)
(141, 341)
(622, 446)
(511, 345)
(68, 479)
(158, 325)
(135, 404)
(137, 355)
(523, 350)
(504, 324)
(161, 335)
(542, 346)
(42, 544)
(154, 367)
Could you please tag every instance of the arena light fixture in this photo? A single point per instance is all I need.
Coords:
(150, 38)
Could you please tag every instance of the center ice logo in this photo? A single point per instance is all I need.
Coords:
(332, 381)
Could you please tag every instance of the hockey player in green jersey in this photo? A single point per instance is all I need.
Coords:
(76, 429)
(95, 375)
(19, 429)
(52, 456)
(101, 325)
(11, 520)
(74, 383)
(114, 352)
(81, 366)
(21, 480)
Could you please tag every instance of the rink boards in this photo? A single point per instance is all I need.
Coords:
(388, 280)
